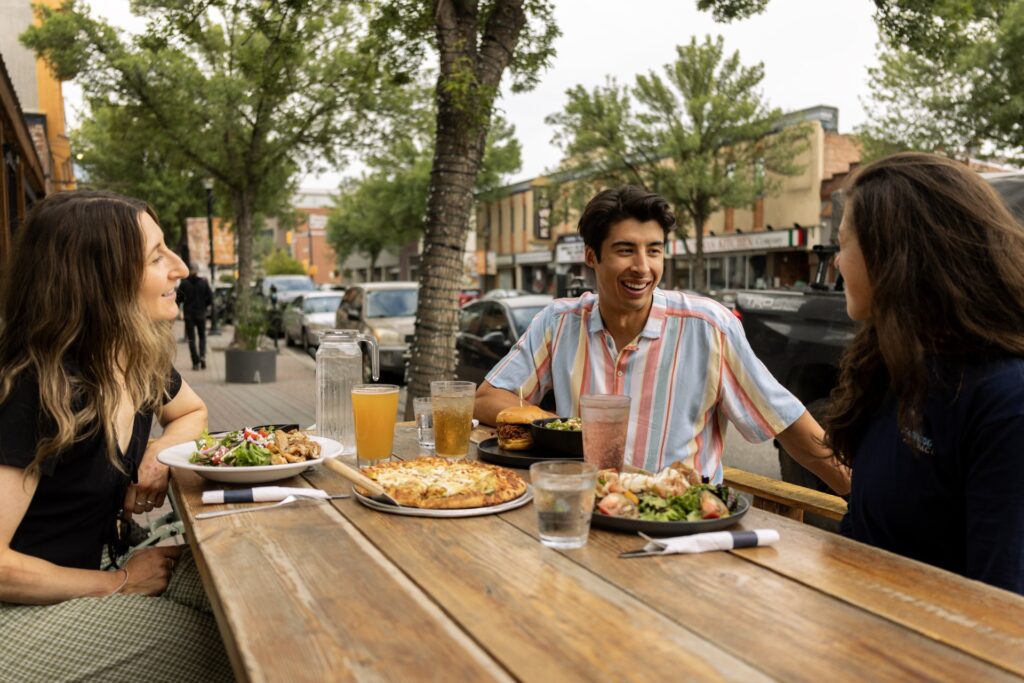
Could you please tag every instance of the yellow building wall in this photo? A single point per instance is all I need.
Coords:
(51, 103)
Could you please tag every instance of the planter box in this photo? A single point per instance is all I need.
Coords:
(242, 366)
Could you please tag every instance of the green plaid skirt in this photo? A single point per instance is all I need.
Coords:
(119, 638)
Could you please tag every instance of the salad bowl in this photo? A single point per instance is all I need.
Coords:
(178, 456)
(546, 438)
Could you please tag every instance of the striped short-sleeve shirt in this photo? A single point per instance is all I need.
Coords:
(688, 372)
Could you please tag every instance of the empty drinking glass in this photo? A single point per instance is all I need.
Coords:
(424, 423)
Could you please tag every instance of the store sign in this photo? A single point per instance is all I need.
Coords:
(570, 251)
(756, 241)
(533, 257)
(317, 222)
(503, 260)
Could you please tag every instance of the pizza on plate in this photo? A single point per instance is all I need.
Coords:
(441, 484)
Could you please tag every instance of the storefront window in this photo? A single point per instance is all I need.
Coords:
(738, 276)
(716, 272)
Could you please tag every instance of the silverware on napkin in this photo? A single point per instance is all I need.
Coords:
(221, 513)
(265, 494)
(702, 543)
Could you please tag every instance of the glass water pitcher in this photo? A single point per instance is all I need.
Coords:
(339, 367)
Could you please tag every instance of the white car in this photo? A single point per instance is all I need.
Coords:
(305, 316)
(387, 310)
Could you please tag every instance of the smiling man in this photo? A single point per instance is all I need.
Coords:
(683, 359)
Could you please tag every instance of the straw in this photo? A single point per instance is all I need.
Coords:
(520, 396)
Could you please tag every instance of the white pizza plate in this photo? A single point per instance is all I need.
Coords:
(177, 456)
(464, 512)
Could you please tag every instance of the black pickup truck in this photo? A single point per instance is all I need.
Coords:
(800, 335)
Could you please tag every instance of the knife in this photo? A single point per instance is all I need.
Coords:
(375, 490)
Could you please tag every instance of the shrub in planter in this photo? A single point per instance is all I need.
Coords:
(247, 362)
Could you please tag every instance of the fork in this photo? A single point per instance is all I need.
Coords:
(284, 501)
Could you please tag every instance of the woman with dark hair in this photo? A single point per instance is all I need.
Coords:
(87, 300)
(929, 410)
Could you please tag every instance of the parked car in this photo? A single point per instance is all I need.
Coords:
(487, 330)
(307, 315)
(467, 295)
(277, 291)
(504, 293)
(387, 310)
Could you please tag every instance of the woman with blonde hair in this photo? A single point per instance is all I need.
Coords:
(929, 410)
(87, 300)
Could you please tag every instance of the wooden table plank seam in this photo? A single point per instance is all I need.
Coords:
(1015, 644)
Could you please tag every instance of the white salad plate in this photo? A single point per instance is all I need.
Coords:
(178, 457)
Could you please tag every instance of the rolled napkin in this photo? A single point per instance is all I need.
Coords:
(702, 543)
(260, 494)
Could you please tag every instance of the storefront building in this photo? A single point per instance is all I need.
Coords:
(527, 239)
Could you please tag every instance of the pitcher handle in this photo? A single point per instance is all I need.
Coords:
(374, 354)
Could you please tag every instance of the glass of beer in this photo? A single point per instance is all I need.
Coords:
(374, 411)
(453, 417)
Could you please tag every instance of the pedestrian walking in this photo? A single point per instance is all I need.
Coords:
(195, 296)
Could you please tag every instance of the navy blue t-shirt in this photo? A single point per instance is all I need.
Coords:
(958, 502)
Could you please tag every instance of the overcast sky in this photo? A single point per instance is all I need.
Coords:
(814, 52)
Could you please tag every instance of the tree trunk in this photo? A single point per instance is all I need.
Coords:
(463, 119)
(456, 162)
(242, 202)
(373, 265)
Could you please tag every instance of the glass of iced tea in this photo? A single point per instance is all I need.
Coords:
(374, 411)
(453, 417)
(605, 424)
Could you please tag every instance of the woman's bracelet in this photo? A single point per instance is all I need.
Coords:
(123, 583)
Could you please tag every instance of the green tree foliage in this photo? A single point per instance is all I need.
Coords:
(245, 91)
(951, 75)
(917, 104)
(973, 53)
(280, 262)
(700, 134)
(475, 42)
(386, 208)
(117, 153)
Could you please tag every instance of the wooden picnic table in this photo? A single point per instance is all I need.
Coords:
(334, 591)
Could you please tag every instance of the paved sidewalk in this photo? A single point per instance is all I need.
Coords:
(289, 399)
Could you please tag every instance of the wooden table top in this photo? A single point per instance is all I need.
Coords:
(334, 591)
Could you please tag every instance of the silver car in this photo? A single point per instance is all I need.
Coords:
(387, 310)
(305, 316)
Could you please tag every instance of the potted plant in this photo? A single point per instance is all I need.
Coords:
(247, 361)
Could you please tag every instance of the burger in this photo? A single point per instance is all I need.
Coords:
(514, 426)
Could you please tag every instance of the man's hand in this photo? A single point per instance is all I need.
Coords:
(490, 401)
(803, 440)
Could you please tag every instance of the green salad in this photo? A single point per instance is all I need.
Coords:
(683, 508)
(569, 424)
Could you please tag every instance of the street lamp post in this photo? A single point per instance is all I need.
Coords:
(208, 185)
